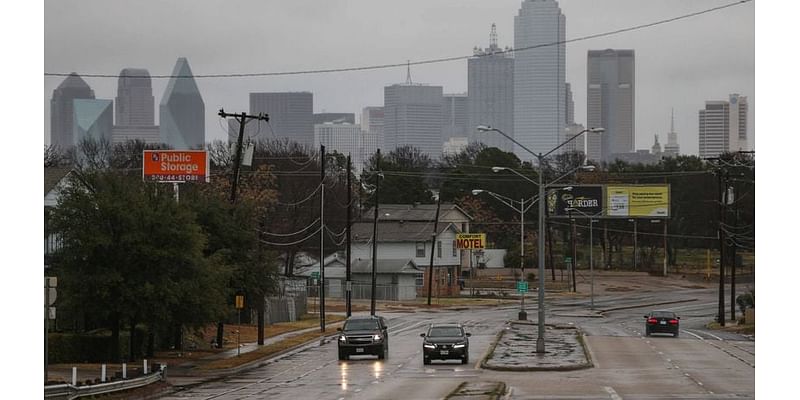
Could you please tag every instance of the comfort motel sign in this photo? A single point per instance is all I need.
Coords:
(471, 241)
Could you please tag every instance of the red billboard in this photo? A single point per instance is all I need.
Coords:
(175, 166)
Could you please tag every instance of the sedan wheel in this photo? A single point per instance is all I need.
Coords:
(426, 361)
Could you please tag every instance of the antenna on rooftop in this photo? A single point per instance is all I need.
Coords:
(493, 37)
(408, 74)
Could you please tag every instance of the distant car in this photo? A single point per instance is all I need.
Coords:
(445, 342)
(662, 321)
(366, 335)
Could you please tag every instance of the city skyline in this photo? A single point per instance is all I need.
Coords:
(675, 66)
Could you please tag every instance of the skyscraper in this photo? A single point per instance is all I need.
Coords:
(454, 116)
(610, 102)
(291, 114)
(182, 110)
(135, 108)
(672, 149)
(372, 131)
(61, 109)
(344, 138)
(490, 88)
(723, 126)
(135, 102)
(413, 116)
(539, 76)
(92, 119)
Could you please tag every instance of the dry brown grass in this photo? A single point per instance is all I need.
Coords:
(265, 351)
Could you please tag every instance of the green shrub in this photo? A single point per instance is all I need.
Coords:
(93, 348)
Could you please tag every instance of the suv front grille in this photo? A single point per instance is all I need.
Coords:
(360, 340)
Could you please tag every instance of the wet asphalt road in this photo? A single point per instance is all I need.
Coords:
(700, 364)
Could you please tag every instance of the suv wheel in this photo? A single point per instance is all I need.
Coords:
(426, 361)
(465, 360)
(342, 355)
(381, 353)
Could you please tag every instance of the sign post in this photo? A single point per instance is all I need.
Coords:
(239, 307)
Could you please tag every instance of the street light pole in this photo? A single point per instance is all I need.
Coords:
(540, 157)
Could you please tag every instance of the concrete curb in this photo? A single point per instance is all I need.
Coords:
(573, 367)
(478, 391)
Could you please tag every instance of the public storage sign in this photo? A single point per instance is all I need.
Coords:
(175, 166)
(471, 241)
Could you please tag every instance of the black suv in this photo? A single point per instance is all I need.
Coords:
(364, 335)
(445, 342)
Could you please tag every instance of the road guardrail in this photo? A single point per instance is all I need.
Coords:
(68, 392)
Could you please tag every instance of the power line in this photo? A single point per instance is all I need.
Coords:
(409, 63)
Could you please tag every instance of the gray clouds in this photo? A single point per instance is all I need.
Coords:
(678, 65)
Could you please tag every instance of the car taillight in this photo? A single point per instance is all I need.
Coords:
(673, 321)
(652, 321)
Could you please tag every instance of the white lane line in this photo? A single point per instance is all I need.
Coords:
(612, 392)
(713, 335)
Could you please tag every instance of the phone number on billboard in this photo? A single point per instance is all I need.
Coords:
(175, 178)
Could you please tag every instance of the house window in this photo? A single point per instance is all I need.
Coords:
(455, 249)
(395, 279)
(420, 249)
(439, 249)
(419, 280)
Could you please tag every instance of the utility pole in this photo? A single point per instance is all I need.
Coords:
(243, 119)
(723, 194)
(574, 256)
(348, 282)
(375, 231)
(322, 239)
(433, 247)
(733, 255)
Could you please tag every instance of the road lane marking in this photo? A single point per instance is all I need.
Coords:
(612, 392)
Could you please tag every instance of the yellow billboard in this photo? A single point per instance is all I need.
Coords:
(637, 201)
(471, 241)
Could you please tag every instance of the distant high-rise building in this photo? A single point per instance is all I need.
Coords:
(61, 109)
(454, 145)
(291, 114)
(413, 116)
(344, 138)
(569, 105)
(656, 149)
(182, 110)
(321, 118)
(578, 144)
(610, 102)
(135, 102)
(490, 89)
(92, 119)
(135, 108)
(723, 126)
(539, 76)
(672, 149)
(454, 116)
(372, 130)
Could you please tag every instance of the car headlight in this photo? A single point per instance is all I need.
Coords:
(376, 338)
(342, 338)
(459, 345)
(429, 346)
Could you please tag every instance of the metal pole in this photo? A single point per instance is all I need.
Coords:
(433, 248)
(574, 255)
(722, 199)
(322, 240)
(634, 244)
(239, 334)
(349, 284)
(375, 232)
(522, 314)
(46, 321)
(591, 263)
(540, 338)
(665, 247)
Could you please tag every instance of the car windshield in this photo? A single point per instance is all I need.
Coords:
(361, 325)
(662, 314)
(444, 331)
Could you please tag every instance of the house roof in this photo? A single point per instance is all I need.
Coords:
(385, 266)
(52, 176)
(398, 231)
(418, 212)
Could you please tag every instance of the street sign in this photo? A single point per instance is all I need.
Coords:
(522, 286)
(239, 301)
(568, 260)
(51, 313)
(50, 281)
(315, 275)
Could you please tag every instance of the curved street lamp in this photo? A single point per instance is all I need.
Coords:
(522, 316)
(540, 158)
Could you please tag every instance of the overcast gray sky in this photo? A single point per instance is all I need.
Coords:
(679, 64)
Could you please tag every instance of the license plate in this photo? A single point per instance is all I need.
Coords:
(444, 352)
(359, 350)
(663, 322)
